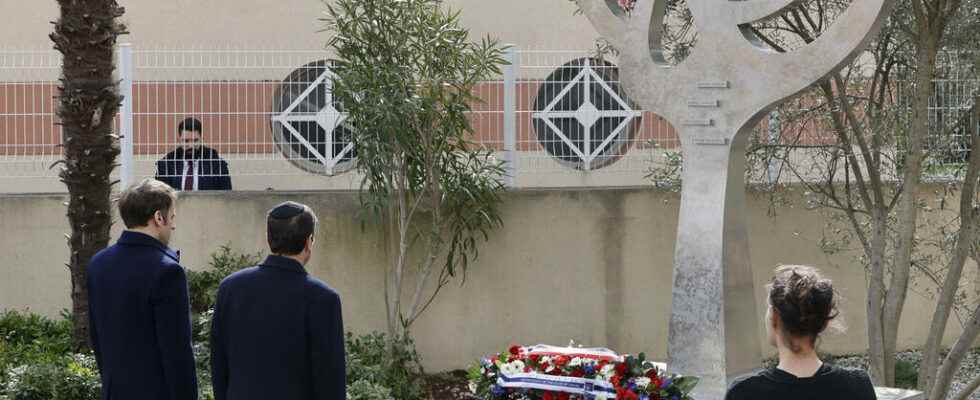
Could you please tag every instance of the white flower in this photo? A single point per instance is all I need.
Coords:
(512, 368)
(600, 396)
(473, 387)
(577, 361)
(642, 382)
(608, 371)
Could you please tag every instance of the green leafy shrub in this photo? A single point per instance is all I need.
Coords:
(29, 339)
(75, 378)
(28, 328)
(906, 374)
(367, 390)
(393, 364)
(202, 354)
(203, 285)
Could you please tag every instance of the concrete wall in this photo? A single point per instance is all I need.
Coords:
(588, 265)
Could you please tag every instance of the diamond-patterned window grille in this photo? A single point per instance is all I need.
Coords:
(309, 126)
(582, 117)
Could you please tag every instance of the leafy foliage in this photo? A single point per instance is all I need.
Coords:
(36, 360)
(203, 285)
(394, 365)
(407, 76)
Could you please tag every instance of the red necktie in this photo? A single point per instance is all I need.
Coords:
(189, 176)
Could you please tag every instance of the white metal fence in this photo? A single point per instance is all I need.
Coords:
(557, 117)
(270, 116)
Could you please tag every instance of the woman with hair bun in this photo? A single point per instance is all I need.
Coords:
(802, 304)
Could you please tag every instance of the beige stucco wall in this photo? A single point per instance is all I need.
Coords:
(291, 24)
(588, 265)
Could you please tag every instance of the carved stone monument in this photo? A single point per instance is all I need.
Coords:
(714, 98)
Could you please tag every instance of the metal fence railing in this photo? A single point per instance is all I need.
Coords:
(556, 117)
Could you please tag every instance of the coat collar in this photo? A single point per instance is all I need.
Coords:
(283, 263)
(142, 239)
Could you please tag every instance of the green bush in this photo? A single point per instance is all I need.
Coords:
(30, 339)
(906, 374)
(369, 360)
(75, 378)
(27, 328)
(367, 390)
(203, 285)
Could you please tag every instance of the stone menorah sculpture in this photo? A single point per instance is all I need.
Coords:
(714, 98)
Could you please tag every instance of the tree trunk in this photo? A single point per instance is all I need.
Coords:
(965, 247)
(876, 294)
(924, 74)
(88, 99)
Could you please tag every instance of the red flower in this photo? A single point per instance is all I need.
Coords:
(615, 380)
(515, 350)
(527, 369)
(624, 394)
(578, 373)
(548, 396)
(563, 396)
(562, 360)
(535, 358)
(652, 374)
(655, 382)
(621, 369)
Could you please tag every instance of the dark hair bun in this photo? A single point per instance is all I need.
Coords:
(805, 301)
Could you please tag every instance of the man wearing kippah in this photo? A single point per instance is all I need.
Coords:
(277, 332)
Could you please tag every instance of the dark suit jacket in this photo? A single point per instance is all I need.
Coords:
(140, 321)
(277, 333)
(213, 170)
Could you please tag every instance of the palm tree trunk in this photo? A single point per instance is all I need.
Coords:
(88, 99)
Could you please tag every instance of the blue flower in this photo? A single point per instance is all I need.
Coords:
(666, 383)
(644, 397)
(589, 369)
(497, 390)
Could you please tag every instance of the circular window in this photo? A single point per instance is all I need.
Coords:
(309, 125)
(582, 117)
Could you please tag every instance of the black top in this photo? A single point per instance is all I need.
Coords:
(828, 383)
(277, 333)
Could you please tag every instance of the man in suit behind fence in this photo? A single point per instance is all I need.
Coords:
(193, 166)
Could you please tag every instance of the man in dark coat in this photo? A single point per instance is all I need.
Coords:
(138, 304)
(278, 332)
(193, 166)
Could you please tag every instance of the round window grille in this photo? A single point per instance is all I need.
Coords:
(582, 117)
(308, 125)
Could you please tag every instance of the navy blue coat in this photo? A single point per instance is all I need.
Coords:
(277, 333)
(140, 321)
(214, 173)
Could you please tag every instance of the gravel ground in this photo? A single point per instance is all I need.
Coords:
(969, 369)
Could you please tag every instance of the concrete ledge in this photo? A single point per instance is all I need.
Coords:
(884, 393)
